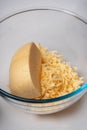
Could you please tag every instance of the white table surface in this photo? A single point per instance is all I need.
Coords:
(73, 118)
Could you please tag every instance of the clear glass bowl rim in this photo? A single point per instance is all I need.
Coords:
(78, 91)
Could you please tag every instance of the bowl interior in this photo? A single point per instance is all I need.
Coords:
(53, 29)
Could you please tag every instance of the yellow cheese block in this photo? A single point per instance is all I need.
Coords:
(24, 75)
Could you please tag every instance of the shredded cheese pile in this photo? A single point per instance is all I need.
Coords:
(57, 76)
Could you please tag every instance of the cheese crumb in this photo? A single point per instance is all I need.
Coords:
(57, 76)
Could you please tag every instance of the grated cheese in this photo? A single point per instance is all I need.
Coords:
(57, 76)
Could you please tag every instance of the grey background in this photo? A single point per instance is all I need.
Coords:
(72, 118)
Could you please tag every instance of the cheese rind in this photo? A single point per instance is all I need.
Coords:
(24, 75)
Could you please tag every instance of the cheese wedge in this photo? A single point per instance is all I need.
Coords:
(24, 73)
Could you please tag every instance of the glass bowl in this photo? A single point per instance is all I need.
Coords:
(56, 29)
